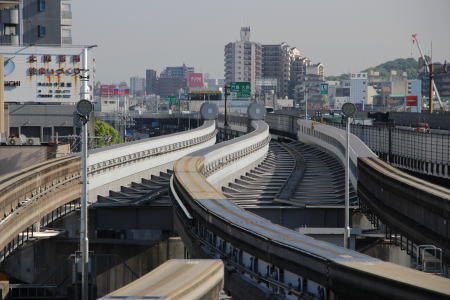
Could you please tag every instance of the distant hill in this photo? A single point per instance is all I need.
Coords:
(409, 65)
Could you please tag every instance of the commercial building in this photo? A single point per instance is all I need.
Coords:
(137, 86)
(358, 89)
(415, 90)
(176, 72)
(151, 82)
(37, 22)
(170, 86)
(243, 60)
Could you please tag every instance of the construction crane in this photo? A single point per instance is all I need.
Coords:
(429, 69)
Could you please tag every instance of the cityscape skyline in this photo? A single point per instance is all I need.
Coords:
(172, 33)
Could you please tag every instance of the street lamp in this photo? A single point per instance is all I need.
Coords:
(226, 94)
(84, 108)
(348, 109)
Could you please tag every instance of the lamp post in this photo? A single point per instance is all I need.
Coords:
(84, 108)
(348, 109)
(306, 104)
(225, 106)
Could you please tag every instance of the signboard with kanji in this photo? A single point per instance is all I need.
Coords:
(43, 74)
(241, 89)
(324, 88)
(171, 100)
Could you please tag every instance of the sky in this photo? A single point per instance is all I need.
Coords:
(345, 35)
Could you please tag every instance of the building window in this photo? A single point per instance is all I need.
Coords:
(41, 31)
(10, 29)
(41, 5)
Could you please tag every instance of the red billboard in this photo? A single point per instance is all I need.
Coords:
(195, 80)
(107, 90)
(411, 100)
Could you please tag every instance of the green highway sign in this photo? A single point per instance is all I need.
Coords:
(171, 100)
(324, 88)
(241, 89)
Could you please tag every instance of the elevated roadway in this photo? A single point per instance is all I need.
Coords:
(176, 279)
(270, 259)
(52, 188)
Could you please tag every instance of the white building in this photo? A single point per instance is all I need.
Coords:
(243, 60)
(358, 89)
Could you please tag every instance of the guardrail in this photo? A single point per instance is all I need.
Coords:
(411, 207)
(266, 258)
(29, 195)
(118, 163)
(422, 152)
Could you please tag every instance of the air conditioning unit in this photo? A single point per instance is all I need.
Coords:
(14, 141)
(33, 141)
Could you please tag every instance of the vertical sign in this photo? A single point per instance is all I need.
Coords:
(324, 88)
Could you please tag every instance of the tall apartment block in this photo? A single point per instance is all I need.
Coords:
(276, 64)
(243, 60)
(38, 22)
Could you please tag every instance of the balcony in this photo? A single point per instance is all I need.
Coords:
(66, 40)
(8, 4)
(66, 18)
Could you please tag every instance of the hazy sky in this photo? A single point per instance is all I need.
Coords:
(345, 35)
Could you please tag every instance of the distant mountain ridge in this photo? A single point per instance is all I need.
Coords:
(408, 65)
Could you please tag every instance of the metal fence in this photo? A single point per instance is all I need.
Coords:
(387, 141)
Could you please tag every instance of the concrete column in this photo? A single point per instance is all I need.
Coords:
(2, 97)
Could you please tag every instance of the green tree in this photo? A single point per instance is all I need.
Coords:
(108, 134)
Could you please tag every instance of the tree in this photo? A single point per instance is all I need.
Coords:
(108, 134)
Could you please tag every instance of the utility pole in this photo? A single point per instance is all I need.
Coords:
(225, 106)
(306, 104)
(430, 92)
(348, 109)
(84, 109)
(2, 98)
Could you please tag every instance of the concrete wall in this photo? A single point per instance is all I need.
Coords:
(50, 18)
(117, 262)
(14, 158)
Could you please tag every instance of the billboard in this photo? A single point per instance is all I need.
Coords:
(411, 100)
(195, 80)
(107, 90)
(42, 74)
(121, 91)
(358, 75)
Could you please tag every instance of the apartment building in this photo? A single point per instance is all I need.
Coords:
(276, 64)
(243, 60)
(38, 22)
